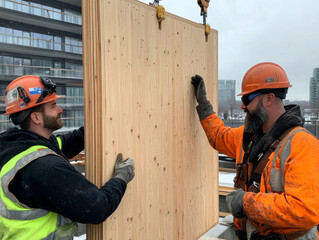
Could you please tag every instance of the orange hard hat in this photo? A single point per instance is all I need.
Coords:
(29, 91)
(265, 75)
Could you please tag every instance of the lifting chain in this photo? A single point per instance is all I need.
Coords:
(204, 4)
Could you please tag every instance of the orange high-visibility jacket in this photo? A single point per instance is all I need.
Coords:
(288, 201)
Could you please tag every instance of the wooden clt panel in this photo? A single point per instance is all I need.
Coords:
(139, 101)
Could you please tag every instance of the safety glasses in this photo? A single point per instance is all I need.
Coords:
(246, 99)
(49, 87)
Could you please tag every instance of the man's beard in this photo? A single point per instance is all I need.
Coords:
(52, 123)
(255, 119)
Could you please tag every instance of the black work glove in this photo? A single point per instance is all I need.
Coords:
(124, 169)
(235, 203)
(204, 107)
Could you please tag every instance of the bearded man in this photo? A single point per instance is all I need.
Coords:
(42, 195)
(277, 159)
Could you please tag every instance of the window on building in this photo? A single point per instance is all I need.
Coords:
(57, 69)
(40, 40)
(25, 7)
(57, 43)
(3, 89)
(27, 70)
(74, 95)
(73, 45)
(72, 17)
(18, 68)
(6, 65)
(75, 70)
(43, 10)
(26, 39)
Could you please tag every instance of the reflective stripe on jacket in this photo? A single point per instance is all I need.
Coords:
(18, 221)
(288, 199)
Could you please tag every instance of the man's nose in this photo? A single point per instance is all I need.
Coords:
(60, 109)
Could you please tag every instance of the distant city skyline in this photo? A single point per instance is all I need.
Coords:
(313, 88)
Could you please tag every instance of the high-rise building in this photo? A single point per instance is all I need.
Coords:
(226, 97)
(43, 38)
(226, 92)
(314, 89)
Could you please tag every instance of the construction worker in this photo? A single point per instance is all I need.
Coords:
(277, 159)
(42, 196)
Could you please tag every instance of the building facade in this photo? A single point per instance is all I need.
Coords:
(314, 89)
(43, 38)
(226, 96)
(226, 91)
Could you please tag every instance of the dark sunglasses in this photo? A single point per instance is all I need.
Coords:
(246, 99)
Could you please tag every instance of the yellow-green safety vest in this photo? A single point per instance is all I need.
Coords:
(18, 221)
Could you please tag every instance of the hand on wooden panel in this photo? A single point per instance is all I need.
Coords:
(204, 107)
(200, 90)
(124, 170)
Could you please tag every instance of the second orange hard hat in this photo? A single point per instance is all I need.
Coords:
(265, 75)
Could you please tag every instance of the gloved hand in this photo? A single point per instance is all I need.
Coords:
(204, 107)
(234, 202)
(124, 169)
(200, 90)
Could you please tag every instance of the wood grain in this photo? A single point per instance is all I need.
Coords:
(139, 101)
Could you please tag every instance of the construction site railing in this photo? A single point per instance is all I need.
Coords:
(39, 43)
(41, 10)
(19, 70)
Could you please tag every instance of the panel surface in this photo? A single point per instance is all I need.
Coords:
(139, 101)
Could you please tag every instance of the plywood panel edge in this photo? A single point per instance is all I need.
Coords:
(91, 72)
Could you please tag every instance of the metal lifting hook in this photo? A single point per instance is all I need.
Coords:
(204, 4)
(156, 3)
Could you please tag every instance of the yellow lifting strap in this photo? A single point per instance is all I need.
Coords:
(207, 29)
(161, 13)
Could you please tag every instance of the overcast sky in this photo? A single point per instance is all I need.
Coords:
(252, 31)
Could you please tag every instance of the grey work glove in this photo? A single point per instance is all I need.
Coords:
(124, 169)
(204, 107)
(200, 90)
(234, 202)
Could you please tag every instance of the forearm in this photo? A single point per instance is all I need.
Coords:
(56, 186)
(279, 213)
(98, 204)
(85, 203)
(73, 142)
(224, 139)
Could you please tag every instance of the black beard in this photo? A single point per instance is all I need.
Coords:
(52, 123)
(255, 119)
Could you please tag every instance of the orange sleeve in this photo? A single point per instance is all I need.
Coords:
(226, 140)
(297, 208)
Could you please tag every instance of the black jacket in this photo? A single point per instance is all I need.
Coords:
(52, 183)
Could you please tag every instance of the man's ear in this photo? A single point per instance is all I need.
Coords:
(270, 98)
(36, 117)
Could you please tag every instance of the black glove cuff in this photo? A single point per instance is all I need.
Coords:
(204, 110)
